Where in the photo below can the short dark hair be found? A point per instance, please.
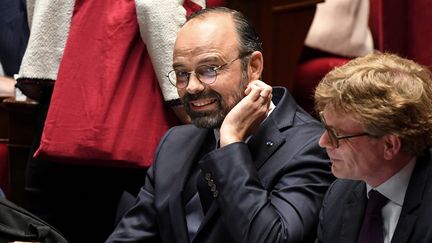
(248, 37)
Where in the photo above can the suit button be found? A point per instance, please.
(269, 143)
(213, 188)
(210, 182)
(215, 193)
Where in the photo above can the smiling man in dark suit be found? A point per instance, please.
(377, 111)
(249, 169)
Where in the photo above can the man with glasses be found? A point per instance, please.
(249, 169)
(377, 112)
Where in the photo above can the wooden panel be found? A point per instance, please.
(4, 157)
(282, 26)
(4, 122)
(22, 118)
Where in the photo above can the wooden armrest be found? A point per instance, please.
(13, 105)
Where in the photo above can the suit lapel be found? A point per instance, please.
(412, 201)
(265, 142)
(352, 215)
(187, 158)
(211, 213)
(269, 137)
(177, 216)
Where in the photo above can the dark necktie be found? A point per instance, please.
(372, 227)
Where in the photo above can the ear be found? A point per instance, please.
(256, 65)
(392, 146)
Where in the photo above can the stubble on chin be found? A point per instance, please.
(210, 119)
(204, 119)
(214, 119)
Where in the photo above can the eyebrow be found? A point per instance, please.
(207, 59)
(341, 132)
(336, 131)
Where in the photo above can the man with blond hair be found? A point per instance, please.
(377, 111)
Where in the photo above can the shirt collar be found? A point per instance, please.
(395, 187)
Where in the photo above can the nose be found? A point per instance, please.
(194, 86)
(324, 141)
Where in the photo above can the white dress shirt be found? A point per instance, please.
(394, 189)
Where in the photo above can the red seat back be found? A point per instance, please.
(398, 26)
(4, 168)
(403, 27)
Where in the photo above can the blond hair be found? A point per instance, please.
(386, 93)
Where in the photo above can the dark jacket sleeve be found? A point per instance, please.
(284, 209)
(323, 216)
(14, 35)
(139, 223)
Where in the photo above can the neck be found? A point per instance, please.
(388, 169)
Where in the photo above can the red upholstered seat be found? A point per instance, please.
(213, 3)
(307, 76)
(403, 27)
(4, 168)
(397, 26)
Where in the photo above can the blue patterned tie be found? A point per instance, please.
(372, 227)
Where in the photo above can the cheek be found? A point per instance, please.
(350, 158)
(360, 162)
(230, 96)
(234, 98)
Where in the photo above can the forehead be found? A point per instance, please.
(340, 120)
(213, 33)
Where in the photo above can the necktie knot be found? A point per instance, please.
(376, 202)
(372, 227)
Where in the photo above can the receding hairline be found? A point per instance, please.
(209, 15)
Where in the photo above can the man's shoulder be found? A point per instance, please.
(184, 131)
(289, 113)
(187, 128)
(182, 135)
(342, 188)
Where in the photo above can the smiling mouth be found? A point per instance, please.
(202, 103)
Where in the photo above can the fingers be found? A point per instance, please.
(248, 114)
(258, 91)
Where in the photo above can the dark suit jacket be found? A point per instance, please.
(343, 208)
(269, 190)
(14, 35)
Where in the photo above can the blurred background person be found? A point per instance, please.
(13, 42)
(339, 31)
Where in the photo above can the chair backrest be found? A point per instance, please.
(19, 225)
(4, 151)
(403, 27)
(398, 26)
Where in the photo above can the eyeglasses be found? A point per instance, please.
(334, 139)
(204, 73)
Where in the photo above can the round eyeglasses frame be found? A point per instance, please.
(333, 137)
(204, 73)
